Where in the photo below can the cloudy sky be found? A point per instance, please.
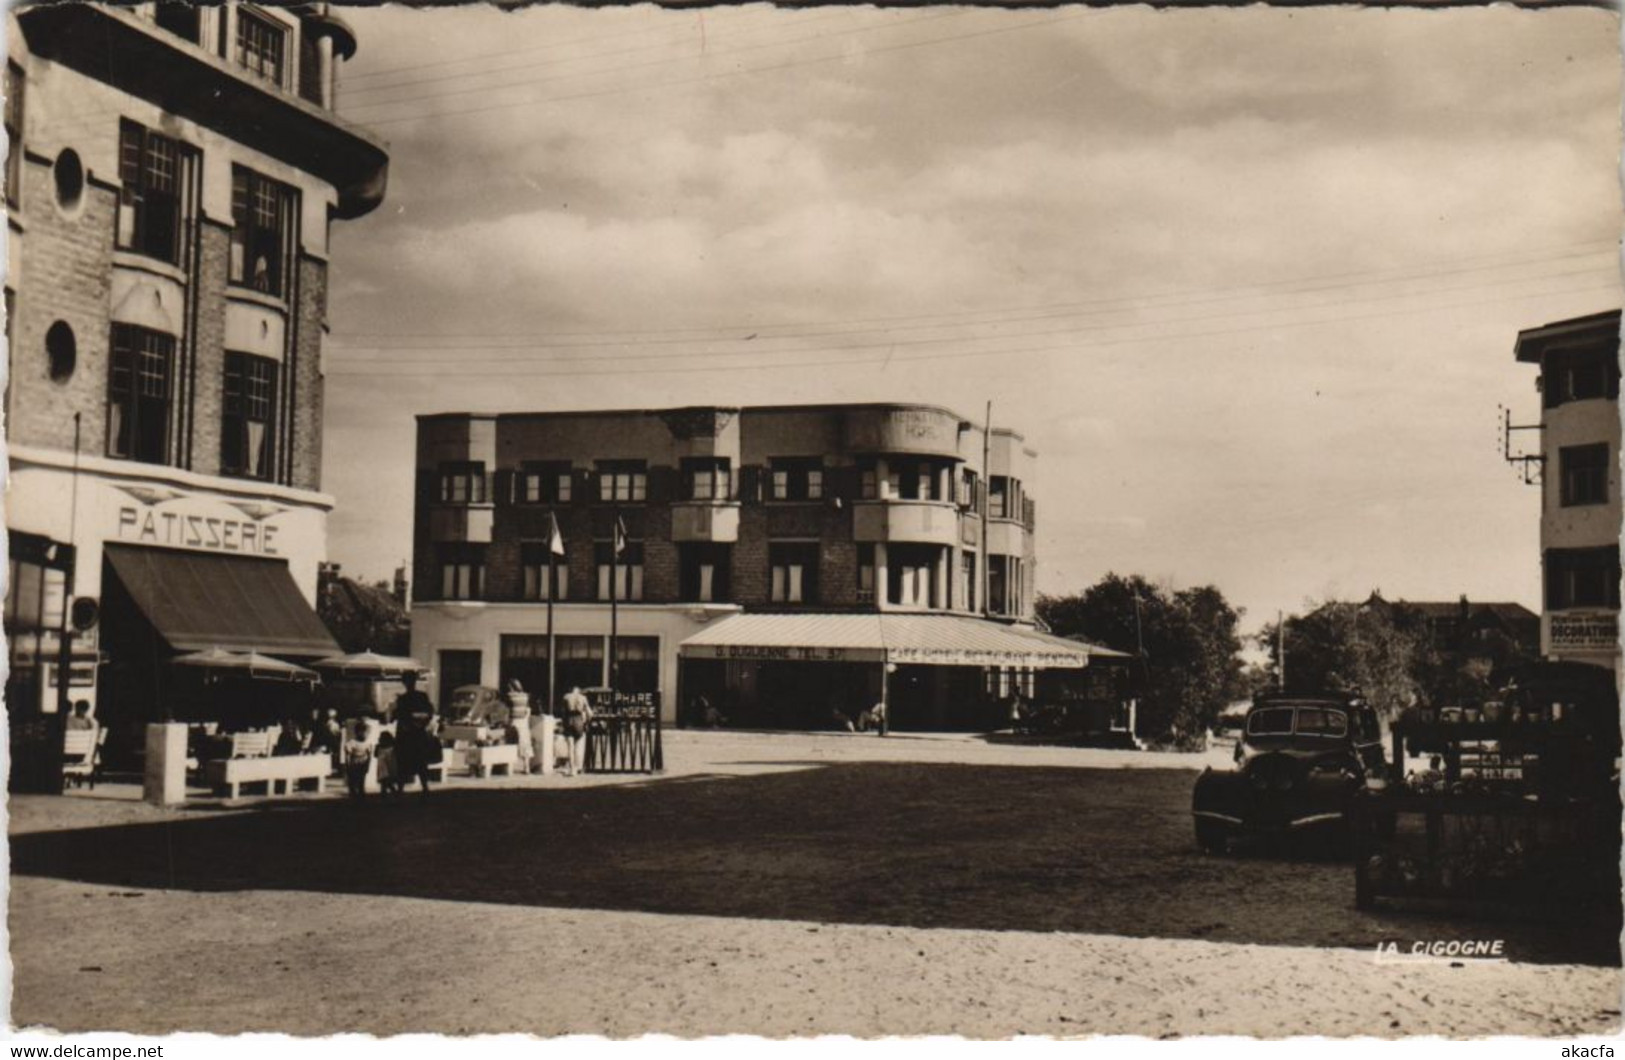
(1248, 279)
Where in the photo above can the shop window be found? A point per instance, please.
(702, 574)
(1584, 473)
(796, 478)
(139, 394)
(623, 481)
(14, 134)
(545, 483)
(462, 572)
(261, 46)
(457, 668)
(581, 662)
(624, 572)
(1582, 577)
(248, 431)
(152, 177)
(546, 574)
(523, 658)
(262, 216)
(462, 482)
(637, 664)
(794, 572)
(707, 478)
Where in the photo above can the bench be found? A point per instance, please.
(484, 761)
(288, 770)
(250, 744)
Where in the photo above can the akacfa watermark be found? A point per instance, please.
(1427, 950)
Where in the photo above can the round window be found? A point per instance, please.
(69, 174)
(61, 351)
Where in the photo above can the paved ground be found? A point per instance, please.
(768, 884)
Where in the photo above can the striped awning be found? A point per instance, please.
(908, 639)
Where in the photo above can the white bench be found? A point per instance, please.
(286, 770)
(81, 754)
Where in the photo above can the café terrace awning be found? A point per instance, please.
(202, 600)
(930, 640)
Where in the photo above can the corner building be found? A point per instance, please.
(172, 178)
(780, 561)
(1580, 487)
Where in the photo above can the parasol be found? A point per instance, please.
(366, 664)
(245, 664)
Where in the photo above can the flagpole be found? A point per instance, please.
(552, 591)
(614, 603)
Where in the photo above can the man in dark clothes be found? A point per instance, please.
(415, 746)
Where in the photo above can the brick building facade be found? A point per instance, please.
(809, 510)
(174, 172)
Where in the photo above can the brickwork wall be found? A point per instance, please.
(63, 273)
(208, 398)
(308, 398)
(750, 577)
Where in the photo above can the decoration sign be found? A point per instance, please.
(783, 653)
(186, 530)
(1597, 631)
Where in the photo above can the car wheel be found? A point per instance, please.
(1211, 836)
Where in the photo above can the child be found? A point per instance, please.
(389, 780)
(357, 757)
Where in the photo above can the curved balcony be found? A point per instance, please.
(920, 522)
(1005, 537)
(705, 521)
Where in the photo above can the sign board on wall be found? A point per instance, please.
(1591, 631)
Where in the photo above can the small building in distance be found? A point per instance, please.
(1579, 486)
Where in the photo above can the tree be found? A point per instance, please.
(1187, 643)
(1378, 651)
(363, 617)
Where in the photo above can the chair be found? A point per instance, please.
(82, 755)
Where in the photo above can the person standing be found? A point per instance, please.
(577, 712)
(416, 748)
(358, 757)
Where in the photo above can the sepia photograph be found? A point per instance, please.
(812, 520)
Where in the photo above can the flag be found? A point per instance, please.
(555, 539)
(620, 536)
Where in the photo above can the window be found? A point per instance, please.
(707, 478)
(637, 664)
(181, 19)
(457, 668)
(151, 181)
(247, 445)
(1582, 577)
(462, 483)
(868, 480)
(967, 581)
(914, 480)
(702, 574)
(796, 478)
(138, 394)
(261, 44)
(581, 662)
(546, 576)
(866, 574)
(967, 490)
(14, 134)
(794, 572)
(626, 571)
(910, 571)
(1004, 585)
(462, 572)
(622, 480)
(1275, 721)
(1584, 471)
(310, 69)
(998, 497)
(262, 215)
(1314, 721)
(1579, 374)
(545, 483)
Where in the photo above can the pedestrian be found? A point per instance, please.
(577, 712)
(389, 776)
(357, 752)
(80, 718)
(416, 747)
(878, 716)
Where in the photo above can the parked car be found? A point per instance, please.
(476, 705)
(1299, 760)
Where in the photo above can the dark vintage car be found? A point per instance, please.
(1300, 758)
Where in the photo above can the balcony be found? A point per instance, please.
(461, 523)
(705, 521)
(1006, 538)
(903, 521)
(135, 55)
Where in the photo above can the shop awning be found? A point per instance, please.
(931, 640)
(202, 600)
